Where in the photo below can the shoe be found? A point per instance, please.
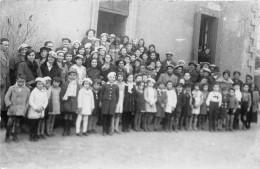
(15, 139)
(35, 139)
(116, 131)
(94, 131)
(42, 136)
(104, 134)
(51, 135)
(110, 133)
(85, 134)
(31, 139)
(8, 140)
(47, 134)
(64, 133)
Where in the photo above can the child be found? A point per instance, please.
(54, 105)
(238, 96)
(93, 119)
(186, 111)
(170, 105)
(38, 101)
(223, 110)
(139, 104)
(232, 107)
(197, 101)
(86, 106)
(17, 101)
(150, 97)
(160, 105)
(213, 101)
(68, 59)
(128, 65)
(43, 119)
(203, 107)
(81, 70)
(255, 102)
(179, 106)
(145, 79)
(93, 72)
(119, 108)
(109, 96)
(68, 95)
(246, 102)
(128, 111)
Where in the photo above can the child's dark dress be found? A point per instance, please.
(186, 111)
(139, 102)
(223, 110)
(161, 99)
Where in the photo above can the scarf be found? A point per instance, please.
(71, 90)
(130, 87)
(33, 66)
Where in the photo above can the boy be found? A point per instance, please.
(17, 101)
(109, 96)
(81, 70)
(213, 102)
(179, 106)
(238, 96)
(232, 107)
(223, 110)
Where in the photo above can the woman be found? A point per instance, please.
(90, 37)
(141, 43)
(93, 72)
(63, 67)
(125, 41)
(122, 53)
(158, 69)
(103, 41)
(50, 67)
(30, 69)
(101, 54)
(151, 49)
(42, 55)
(107, 67)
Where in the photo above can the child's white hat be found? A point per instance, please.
(76, 41)
(87, 80)
(111, 74)
(88, 45)
(46, 78)
(40, 79)
(53, 54)
(150, 79)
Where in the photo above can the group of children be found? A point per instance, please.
(138, 98)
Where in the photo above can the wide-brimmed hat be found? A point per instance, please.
(151, 80)
(104, 34)
(87, 80)
(169, 53)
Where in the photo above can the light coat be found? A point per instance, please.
(86, 101)
(4, 77)
(38, 98)
(150, 96)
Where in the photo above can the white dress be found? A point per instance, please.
(86, 101)
(197, 95)
(120, 104)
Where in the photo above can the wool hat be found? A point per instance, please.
(206, 70)
(22, 46)
(104, 34)
(151, 80)
(66, 39)
(39, 79)
(111, 74)
(205, 63)
(76, 41)
(59, 51)
(78, 56)
(88, 45)
(112, 36)
(181, 62)
(72, 70)
(170, 65)
(53, 54)
(87, 80)
(169, 53)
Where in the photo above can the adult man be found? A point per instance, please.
(168, 61)
(4, 78)
(193, 73)
(48, 44)
(16, 60)
(168, 76)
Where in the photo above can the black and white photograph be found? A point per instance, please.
(129, 84)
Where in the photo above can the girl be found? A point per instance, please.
(136, 67)
(128, 110)
(238, 96)
(119, 108)
(225, 81)
(90, 37)
(152, 50)
(232, 106)
(141, 43)
(160, 105)
(223, 110)
(68, 59)
(17, 101)
(203, 107)
(68, 94)
(101, 54)
(81, 70)
(128, 66)
(255, 102)
(50, 67)
(75, 47)
(54, 105)
(93, 72)
(81, 51)
(197, 101)
(86, 106)
(96, 44)
(30, 69)
(63, 67)
(170, 105)
(120, 67)
(38, 101)
(246, 102)
(104, 42)
(139, 104)
(151, 57)
(150, 97)
(186, 112)
(144, 58)
(122, 53)
(158, 69)
(109, 96)
(43, 54)
(125, 40)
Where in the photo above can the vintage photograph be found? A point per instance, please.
(129, 84)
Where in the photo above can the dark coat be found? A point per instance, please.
(109, 96)
(4, 77)
(161, 100)
(139, 102)
(13, 66)
(96, 110)
(55, 71)
(164, 64)
(180, 101)
(129, 100)
(93, 73)
(104, 73)
(71, 104)
(24, 69)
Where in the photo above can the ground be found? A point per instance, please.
(136, 150)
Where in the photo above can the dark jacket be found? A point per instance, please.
(109, 96)
(55, 71)
(13, 66)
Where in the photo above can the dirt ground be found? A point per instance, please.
(136, 150)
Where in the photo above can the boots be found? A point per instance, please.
(65, 128)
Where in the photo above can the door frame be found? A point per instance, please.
(196, 33)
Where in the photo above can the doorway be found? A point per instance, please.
(111, 23)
